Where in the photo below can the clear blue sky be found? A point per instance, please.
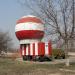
(10, 11)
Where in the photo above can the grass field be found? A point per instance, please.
(13, 67)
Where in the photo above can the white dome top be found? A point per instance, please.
(28, 16)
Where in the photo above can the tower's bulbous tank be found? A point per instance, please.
(29, 27)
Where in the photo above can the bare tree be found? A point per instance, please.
(58, 17)
(5, 42)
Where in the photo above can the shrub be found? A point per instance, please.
(58, 54)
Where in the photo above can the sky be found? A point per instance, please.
(10, 12)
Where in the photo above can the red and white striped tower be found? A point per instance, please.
(29, 29)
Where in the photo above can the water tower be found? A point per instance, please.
(30, 30)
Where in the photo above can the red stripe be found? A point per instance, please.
(33, 49)
(29, 19)
(28, 49)
(29, 34)
(24, 49)
(41, 48)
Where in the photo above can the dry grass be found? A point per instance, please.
(10, 67)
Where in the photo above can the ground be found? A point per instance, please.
(14, 67)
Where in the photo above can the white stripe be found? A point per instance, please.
(22, 50)
(26, 41)
(27, 50)
(36, 48)
(28, 16)
(31, 49)
(46, 48)
(29, 26)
